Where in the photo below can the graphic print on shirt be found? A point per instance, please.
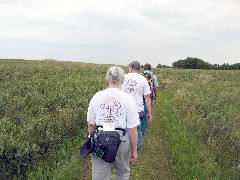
(110, 111)
(131, 86)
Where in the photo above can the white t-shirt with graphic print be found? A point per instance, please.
(113, 106)
(136, 85)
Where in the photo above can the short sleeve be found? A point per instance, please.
(91, 115)
(146, 88)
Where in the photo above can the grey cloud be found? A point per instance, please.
(107, 31)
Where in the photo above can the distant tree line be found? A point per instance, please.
(10, 59)
(192, 63)
(196, 63)
(162, 66)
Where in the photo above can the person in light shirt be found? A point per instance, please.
(137, 85)
(114, 106)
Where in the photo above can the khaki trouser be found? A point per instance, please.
(101, 170)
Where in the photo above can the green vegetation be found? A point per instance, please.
(43, 104)
(162, 66)
(196, 63)
(206, 117)
(43, 107)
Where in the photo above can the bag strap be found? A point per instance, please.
(124, 130)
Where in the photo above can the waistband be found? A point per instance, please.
(121, 131)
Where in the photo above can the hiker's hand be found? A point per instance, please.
(150, 117)
(134, 157)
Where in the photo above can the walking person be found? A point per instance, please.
(113, 108)
(152, 81)
(153, 84)
(136, 85)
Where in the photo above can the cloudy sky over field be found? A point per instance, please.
(119, 31)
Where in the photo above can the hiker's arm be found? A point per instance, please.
(133, 136)
(148, 104)
(90, 128)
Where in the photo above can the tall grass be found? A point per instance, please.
(207, 105)
(43, 105)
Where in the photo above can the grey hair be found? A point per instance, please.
(115, 75)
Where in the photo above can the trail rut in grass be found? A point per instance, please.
(154, 161)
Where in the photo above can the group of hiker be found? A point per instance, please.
(118, 119)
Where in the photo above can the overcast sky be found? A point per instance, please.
(120, 31)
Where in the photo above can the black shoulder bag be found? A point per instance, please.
(107, 144)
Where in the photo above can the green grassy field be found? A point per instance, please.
(194, 134)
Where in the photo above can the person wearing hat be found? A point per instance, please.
(114, 107)
(137, 85)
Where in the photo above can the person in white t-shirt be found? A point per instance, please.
(137, 85)
(119, 108)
